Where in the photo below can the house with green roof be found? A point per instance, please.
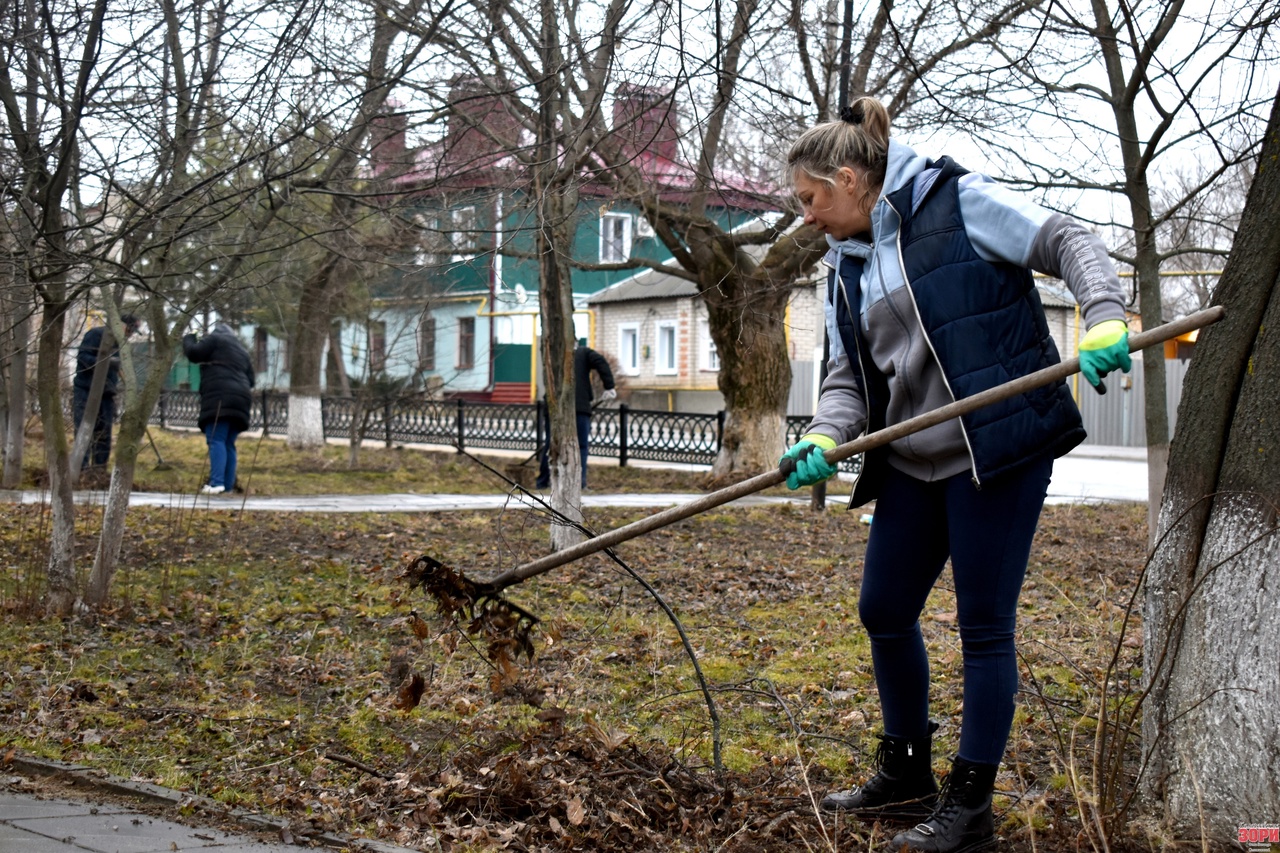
(456, 311)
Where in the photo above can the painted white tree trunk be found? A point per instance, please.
(306, 424)
(1213, 647)
(566, 493)
(753, 443)
(1211, 721)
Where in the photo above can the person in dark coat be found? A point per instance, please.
(226, 384)
(91, 352)
(585, 360)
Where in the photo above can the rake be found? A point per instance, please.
(507, 626)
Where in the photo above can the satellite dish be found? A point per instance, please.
(511, 296)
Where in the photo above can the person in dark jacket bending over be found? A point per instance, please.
(87, 357)
(930, 299)
(585, 360)
(226, 383)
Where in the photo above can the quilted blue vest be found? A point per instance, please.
(986, 325)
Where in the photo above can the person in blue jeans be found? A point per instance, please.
(929, 300)
(585, 360)
(226, 386)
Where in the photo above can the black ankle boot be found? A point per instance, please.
(903, 787)
(962, 822)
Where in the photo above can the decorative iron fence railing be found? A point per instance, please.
(623, 433)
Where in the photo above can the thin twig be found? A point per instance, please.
(358, 765)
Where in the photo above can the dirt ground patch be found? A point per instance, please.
(281, 662)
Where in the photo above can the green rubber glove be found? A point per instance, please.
(1105, 348)
(804, 462)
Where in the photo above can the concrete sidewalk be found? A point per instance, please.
(29, 824)
(1089, 473)
(80, 818)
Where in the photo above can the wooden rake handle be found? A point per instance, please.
(773, 477)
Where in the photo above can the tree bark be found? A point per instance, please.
(557, 200)
(139, 403)
(1211, 726)
(335, 369)
(1146, 252)
(306, 352)
(17, 339)
(745, 316)
(60, 572)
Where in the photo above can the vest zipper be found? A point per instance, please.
(862, 371)
(897, 243)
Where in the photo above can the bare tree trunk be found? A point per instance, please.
(60, 570)
(306, 351)
(556, 200)
(322, 288)
(133, 425)
(17, 339)
(335, 371)
(745, 316)
(558, 342)
(1146, 252)
(1155, 391)
(6, 372)
(1211, 639)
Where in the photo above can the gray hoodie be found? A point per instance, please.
(1003, 226)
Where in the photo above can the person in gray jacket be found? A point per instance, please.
(929, 300)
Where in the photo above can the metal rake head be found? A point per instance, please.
(506, 627)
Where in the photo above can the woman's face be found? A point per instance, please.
(833, 208)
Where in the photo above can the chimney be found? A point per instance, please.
(387, 136)
(480, 122)
(644, 118)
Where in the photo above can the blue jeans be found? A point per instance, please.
(584, 447)
(987, 534)
(221, 438)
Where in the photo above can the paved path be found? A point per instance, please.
(79, 819)
(1090, 473)
(31, 824)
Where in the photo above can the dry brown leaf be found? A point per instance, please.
(421, 629)
(410, 693)
(575, 811)
(610, 739)
(550, 715)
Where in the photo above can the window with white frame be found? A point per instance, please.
(615, 238)
(464, 233)
(629, 348)
(427, 343)
(466, 343)
(709, 358)
(432, 244)
(666, 355)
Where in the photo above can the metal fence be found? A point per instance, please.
(1119, 417)
(623, 433)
